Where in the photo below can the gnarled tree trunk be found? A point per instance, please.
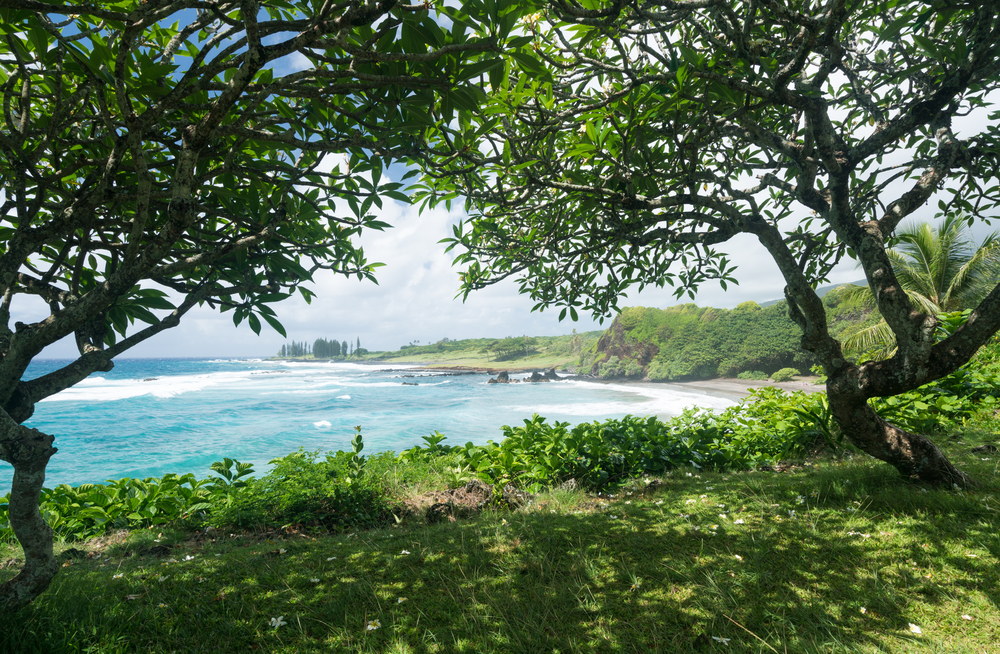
(913, 455)
(28, 450)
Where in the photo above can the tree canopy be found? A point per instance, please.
(650, 133)
(156, 156)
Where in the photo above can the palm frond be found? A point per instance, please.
(860, 294)
(876, 342)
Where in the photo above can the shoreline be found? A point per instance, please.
(724, 387)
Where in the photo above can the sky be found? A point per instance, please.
(415, 300)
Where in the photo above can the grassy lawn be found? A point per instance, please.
(836, 556)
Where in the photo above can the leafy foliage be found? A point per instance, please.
(302, 489)
(694, 342)
(784, 375)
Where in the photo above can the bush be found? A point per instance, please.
(768, 425)
(611, 368)
(759, 375)
(658, 371)
(304, 490)
(785, 375)
(633, 369)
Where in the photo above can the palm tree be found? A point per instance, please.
(942, 272)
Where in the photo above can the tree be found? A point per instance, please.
(942, 271)
(222, 152)
(648, 134)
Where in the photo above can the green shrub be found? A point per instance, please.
(79, 512)
(759, 375)
(785, 375)
(611, 368)
(633, 369)
(766, 426)
(302, 489)
(658, 371)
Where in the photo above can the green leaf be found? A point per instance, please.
(273, 322)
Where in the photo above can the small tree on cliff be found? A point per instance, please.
(651, 133)
(224, 151)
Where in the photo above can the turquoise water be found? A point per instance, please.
(148, 417)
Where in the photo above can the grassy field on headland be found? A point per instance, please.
(839, 555)
(483, 353)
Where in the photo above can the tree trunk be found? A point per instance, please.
(914, 455)
(29, 458)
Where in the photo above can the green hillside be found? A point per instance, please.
(692, 342)
(509, 353)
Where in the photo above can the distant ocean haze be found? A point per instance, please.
(149, 417)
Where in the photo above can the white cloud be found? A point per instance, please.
(415, 300)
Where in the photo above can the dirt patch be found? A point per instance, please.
(462, 502)
(465, 501)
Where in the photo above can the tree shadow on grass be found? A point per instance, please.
(625, 578)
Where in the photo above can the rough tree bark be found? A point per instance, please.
(29, 453)
(913, 455)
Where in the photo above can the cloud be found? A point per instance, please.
(415, 300)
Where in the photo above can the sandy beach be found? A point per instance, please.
(738, 388)
(725, 387)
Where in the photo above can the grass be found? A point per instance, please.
(836, 556)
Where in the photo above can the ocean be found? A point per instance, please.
(149, 417)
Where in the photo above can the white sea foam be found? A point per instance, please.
(649, 401)
(322, 424)
(363, 384)
(343, 365)
(99, 389)
(344, 397)
(312, 391)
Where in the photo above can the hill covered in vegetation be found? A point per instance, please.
(691, 342)
(512, 352)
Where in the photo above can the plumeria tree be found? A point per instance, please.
(160, 155)
(651, 132)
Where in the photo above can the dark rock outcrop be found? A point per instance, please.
(616, 343)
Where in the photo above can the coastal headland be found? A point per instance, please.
(728, 387)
